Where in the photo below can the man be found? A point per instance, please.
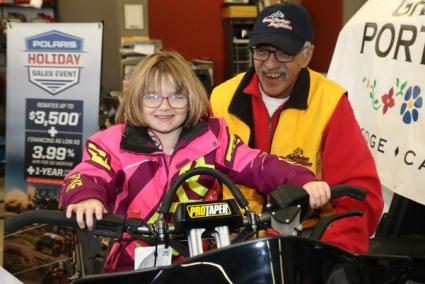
(284, 108)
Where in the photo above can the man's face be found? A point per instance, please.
(278, 73)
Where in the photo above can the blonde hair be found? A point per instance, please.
(149, 73)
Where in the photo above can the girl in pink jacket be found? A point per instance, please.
(163, 130)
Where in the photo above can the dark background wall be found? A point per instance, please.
(192, 27)
(327, 17)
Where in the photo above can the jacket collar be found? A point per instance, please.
(241, 106)
(136, 138)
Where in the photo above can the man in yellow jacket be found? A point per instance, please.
(282, 107)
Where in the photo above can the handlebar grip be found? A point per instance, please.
(49, 217)
(109, 226)
(348, 190)
(290, 195)
(165, 206)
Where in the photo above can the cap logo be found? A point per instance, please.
(277, 20)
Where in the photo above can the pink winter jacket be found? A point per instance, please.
(124, 169)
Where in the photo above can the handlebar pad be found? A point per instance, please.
(49, 217)
(165, 206)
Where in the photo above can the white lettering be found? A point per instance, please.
(54, 44)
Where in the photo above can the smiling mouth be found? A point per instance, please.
(274, 75)
(163, 116)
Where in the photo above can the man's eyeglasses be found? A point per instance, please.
(263, 54)
(155, 100)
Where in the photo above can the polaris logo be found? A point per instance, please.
(54, 60)
(54, 41)
(54, 44)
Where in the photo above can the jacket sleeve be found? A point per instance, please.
(94, 177)
(254, 168)
(347, 160)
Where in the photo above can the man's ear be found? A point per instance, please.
(307, 54)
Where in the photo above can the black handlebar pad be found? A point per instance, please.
(240, 198)
(49, 217)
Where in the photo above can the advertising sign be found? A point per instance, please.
(380, 59)
(53, 88)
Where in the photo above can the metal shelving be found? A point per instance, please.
(237, 54)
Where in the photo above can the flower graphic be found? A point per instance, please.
(371, 86)
(412, 102)
(388, 100)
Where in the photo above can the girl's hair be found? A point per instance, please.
(149, 73)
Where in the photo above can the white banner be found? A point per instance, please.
(380, 59)
(53, 89)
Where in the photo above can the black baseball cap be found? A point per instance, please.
(286, 26)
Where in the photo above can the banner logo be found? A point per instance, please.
(406, 100)
(54, 60)
(208, 210)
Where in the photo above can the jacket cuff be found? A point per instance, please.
(80, 196)
(302, 178)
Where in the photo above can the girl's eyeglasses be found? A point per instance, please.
(155, 100)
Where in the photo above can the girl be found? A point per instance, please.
(163, 130)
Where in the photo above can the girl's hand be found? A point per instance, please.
(319, 193)
(84, 210)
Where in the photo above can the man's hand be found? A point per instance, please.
(84, 210)
(319, 193)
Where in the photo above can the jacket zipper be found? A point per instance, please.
(270, 127)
